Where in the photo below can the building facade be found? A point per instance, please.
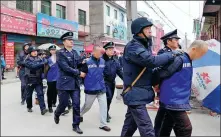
(108, 22)
(211, 28)
(42, 22)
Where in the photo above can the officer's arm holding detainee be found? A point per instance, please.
(119, 70)
(62, 62)
(141, 56)
(168, 71)
(20, 60)
(35, 64)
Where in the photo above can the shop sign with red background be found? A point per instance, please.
(9, 55)
(16, 21)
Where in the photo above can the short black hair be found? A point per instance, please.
(165, 41)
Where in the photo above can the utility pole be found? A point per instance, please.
(131, 7)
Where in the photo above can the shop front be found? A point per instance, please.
(50, 29)
(17, 27)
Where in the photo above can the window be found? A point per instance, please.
(46, 7)
(108, 11)
(60, 11)
(115, 14)
(122, 17)
(108, 30)
(24, 5)
(81, 17)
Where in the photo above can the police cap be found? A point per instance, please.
(139, 24)
(109, 45)
(52, 47)
(31, 49)
(67, 35)
(170, 35)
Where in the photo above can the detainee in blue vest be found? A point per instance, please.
(175, 91)
(94, 87)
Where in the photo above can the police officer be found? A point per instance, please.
(111, 69)
(137, 56)
(170, 41)
(33, 76)
(21, 65)
(68, 80)
(175, 90)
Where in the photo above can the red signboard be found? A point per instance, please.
(9, 55)
(17, 22)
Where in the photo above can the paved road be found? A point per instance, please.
(16, 121)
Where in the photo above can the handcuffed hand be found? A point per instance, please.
(82, 74)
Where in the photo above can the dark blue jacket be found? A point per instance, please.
(121, 61)
(33, 70)
(137, 55)
(20, 61)
(52, 74)
(175, 89)
(94, 80)
(112, 69)
(68, 78)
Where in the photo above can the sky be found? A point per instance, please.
(180, 13)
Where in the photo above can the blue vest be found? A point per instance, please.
(53, 71)
(176, 90)
(94, 80)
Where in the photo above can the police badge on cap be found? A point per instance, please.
(67, 35)
(52, 47)
(109, 45)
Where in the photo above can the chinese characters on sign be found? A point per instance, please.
(9, 54)
(48, 26)
(17, 22)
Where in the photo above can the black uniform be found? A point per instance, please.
(33, 76)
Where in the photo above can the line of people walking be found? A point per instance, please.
(169, 72)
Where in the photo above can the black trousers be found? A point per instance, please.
(110, 87)
(51, 93)
(166, 120)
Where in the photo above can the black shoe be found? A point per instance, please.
(108, 120)
(44, 111)
(65, 112)
(22, 102)
(105, 128)
(56, 119)
(30, 110)
(50, 110)
(3, 78)
(69, 107)
(81, 119)
(53, 105)
(77, 130)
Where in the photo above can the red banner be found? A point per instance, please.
(17, 22)
(9, 55)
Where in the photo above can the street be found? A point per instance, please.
(16, 121)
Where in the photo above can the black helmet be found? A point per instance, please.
(32, 48)
(138, 25)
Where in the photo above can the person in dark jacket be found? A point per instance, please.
(137, 56)
(121, 59)
(170, 41)
(68, 80)
(20, 62)
(111, 70)
(175, 91)
(95, 87)
(33, 76)
(52, 76)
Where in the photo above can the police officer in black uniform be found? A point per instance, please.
(111, 70)
(170, 41)
(33, 76)
(68, 81)
(21, 65)
(137, 56)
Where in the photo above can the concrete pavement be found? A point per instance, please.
(16, 121)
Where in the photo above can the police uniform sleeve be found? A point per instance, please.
(166, 72)
(19, 60)
(119, 70)
(142, 57)
(62, 63)
(33, 64)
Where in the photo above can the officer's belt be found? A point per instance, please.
(134, 82)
